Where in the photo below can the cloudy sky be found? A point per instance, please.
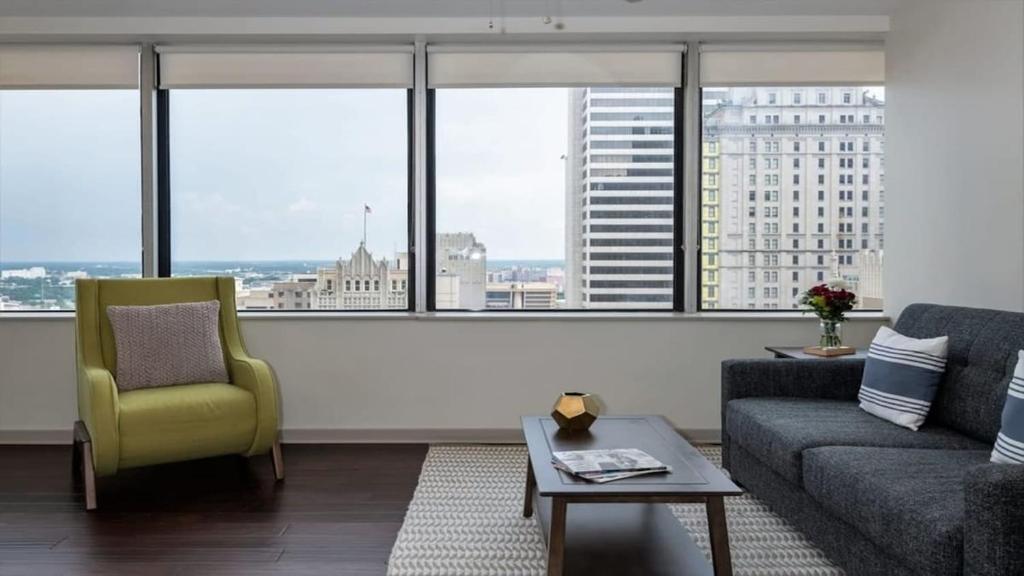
(278, 174)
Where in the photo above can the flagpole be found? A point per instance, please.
(364, 224)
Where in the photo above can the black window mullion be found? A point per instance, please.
(163, 194)
(431, 205)
(410, 293)
(679, 228)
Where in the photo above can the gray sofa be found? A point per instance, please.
(878, 498)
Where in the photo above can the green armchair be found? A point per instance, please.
(118, 430)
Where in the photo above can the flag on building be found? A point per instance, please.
(367, 209)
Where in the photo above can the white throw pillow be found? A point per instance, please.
(902, 376)
(1009, 448)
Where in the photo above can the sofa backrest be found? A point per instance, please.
(983, 347)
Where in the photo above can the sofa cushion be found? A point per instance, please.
(778, 430)
(908, 502)
(185, 422)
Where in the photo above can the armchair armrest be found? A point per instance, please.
(256, 377)
(824, 379)
(98, 408)
(994, 520)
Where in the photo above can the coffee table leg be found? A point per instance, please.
(556, 537)
(531, 483)
(719, 532)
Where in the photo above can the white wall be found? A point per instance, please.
(955, 157)
(458, 379)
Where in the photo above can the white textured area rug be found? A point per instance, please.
(465, 519)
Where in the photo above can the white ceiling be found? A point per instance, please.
(437, 8)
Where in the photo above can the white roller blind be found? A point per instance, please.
(750, 66)
(463, 68)
(38, 67)
(301, 67)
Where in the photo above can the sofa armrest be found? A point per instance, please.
(98, 409)
(994, 520)
(256, 377)
(825, 379)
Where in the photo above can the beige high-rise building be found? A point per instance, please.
(798, 182)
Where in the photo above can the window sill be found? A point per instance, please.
(743, 316)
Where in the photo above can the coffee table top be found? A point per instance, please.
(692, 474)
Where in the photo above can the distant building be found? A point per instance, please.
(446, 292)
(33, 273)
(298, 293)
(522, 296)
(7, 304)
(255, 299)
(459, 255)
(362, 283)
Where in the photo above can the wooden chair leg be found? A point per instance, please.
(84, 448)
(277, 460)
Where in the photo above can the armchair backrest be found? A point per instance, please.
(92, 296)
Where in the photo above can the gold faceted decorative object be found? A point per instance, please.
(575, 411)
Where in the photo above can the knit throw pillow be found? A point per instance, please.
(902, 376)
(167, 344)
(1009, 447)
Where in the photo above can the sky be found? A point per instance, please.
(278, 174)
(69, 176)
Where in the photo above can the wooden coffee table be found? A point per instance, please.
(624, 527)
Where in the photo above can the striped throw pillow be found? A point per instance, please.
(901, 377)
(1009, 447)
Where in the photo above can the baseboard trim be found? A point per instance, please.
(364, 436)
(36, 436)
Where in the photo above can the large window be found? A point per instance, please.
(289, 170)
(795, 204)
(563, 200)
(301, 194)
(69, 193)
(555, 196)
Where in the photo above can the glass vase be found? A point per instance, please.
(831, 334)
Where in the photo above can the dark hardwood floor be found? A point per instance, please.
(337, 512)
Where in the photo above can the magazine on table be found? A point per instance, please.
(607, 465)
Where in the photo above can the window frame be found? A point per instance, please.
(679, 195)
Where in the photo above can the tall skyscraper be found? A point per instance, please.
(794, 194)
(619, 198)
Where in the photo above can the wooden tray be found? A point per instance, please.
(829, 352)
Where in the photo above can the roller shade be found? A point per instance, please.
(68, 67)
(749, 66)
(301, 67)
(457, 68)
